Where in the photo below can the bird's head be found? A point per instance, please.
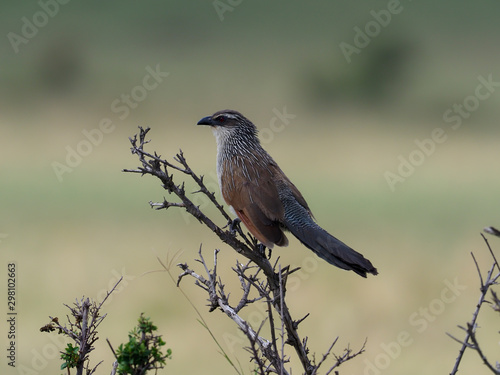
(229, 124)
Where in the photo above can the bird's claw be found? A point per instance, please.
(234, 226)
(262, 251)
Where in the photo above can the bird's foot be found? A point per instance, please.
(234, 226)
(262, 251)
(261, 248)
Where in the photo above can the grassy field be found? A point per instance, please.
(72, 238)
(72, 233)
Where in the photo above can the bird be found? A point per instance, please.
(265, 200)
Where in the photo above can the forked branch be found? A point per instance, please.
(470, 341)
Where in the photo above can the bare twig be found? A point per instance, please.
(491, 251)
(167, 267)
(346, 356)
(114, 368)
(471, 330)
(325, 356)
(218, 300)
(486, 284)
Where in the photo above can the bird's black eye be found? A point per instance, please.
(221, 119)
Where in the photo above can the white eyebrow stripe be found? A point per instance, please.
(228, 115)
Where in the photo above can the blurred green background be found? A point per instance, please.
(352, 119)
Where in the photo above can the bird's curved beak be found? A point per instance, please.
(206, 121)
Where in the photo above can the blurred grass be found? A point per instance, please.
(77, 232)
(72, 238)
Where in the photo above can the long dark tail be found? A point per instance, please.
(300, 223)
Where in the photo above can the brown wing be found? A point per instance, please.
(253, 195)
(295, 192)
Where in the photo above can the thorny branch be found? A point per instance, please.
(470, 341)
(264, 352)
(83, 330)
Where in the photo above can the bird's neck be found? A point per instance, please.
(231, 145)
(238, 150)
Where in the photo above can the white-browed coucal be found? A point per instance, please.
(265, 199)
